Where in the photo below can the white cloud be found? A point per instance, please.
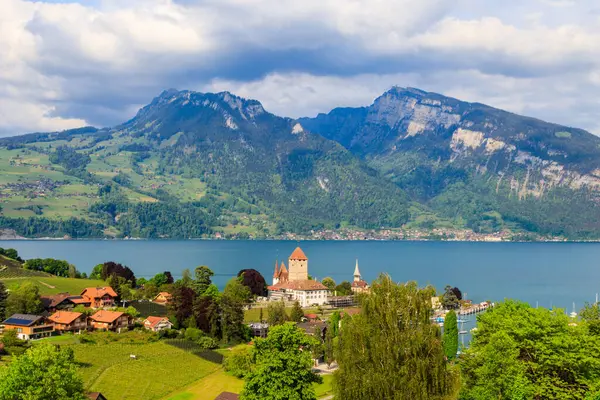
(64, 64)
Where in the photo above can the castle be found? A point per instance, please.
(293, 284)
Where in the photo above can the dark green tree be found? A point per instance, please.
(44, 372)
(334, 322)
(282, 366)
(296, 314)
(449, 300)
(450, 337)
(328, 346)
(393, 343)
(234, 298)
(276, 314)
(202, 279)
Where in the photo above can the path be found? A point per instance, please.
(45, 284)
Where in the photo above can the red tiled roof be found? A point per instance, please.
(298, 254)
(64, 317)
(80, 300)
(106, 316)
(360, 284)
(301, 285)
(98, 292)
(276, 273)
(155, 320)
(311, 316)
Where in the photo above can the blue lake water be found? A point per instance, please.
(549, 274)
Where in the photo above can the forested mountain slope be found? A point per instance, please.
(187, 165)
(480, 167)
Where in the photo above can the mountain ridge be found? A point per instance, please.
(192, 164)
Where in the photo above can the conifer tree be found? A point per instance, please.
(450, 335)
(297, 314)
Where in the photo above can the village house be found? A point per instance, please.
(80, 300)
(156, 324)
(57, 302)
(96, 396)
(29, 326)
(162, 298)
(110, 320)
(358, 285)
(100, 297)
(294, 285)
(67, 321)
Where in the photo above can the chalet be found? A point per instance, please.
(110, 320)
(57, 302)
(156, 324)
(80, 300)
(67, 321)
(29, 326)
(100, 297)
(162, 298)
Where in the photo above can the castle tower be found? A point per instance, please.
(298, 263)
(357, 277)
(276, 274)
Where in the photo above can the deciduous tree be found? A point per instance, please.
(393, 343)
(329, 283)
(254, 281)
(449, 300)
(282, 366)
(344, 289)
(24, 300)
(520, 352)
(235, 295)
(182, 303)
(450, 338)
(44, 372)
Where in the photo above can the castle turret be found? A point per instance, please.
(284, 275)
(298, 263)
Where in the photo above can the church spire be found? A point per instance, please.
(357, 276)
(276, 274)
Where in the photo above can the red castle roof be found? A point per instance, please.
(298, 254)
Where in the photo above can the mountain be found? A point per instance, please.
(474, 165)
(191, 164)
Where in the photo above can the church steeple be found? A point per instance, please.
(357, 277)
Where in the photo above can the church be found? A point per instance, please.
(292, 283)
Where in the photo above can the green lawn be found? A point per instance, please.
(54, 285)
(253, 314)
(160, 369)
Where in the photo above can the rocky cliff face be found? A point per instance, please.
(529, 155)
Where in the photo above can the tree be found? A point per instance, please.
(24, 300)
(3, 297)
(334, 323)
(254, 281)
(344, 289)
(169, 277)
(328, 346)
(159, 279)
(329, 282)
(393, 343)
(233, 300)
(520, 352)
(297, 314)
(202, 281)
(182, 303)
(276, 314)
(113, 269)
(591, 314)
(282, 366)
(51, 266)
(97, 272)
(44, 372)
(186, 278)
(204, 306)
(449, 300)
(450, 337)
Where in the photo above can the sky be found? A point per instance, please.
(65, 64)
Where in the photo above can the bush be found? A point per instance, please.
(168, 334)
(206, 342)
(193, 334)
(239, 364)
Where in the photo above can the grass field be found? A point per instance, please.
(253, 314)
(54, 285)
(160, 369)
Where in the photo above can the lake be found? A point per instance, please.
(549, 274)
